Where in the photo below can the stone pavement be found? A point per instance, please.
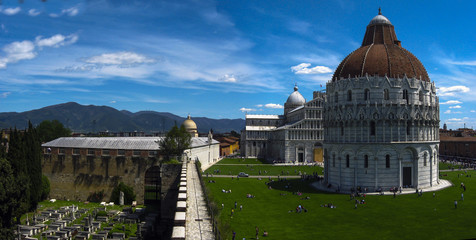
(443, 184)
(198, 225)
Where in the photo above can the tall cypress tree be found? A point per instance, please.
(16, 157)
(33, 159)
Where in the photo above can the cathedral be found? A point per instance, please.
(295, 136)
(381, 117)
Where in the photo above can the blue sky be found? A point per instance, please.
(217, 59)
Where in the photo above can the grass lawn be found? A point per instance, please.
(241, 161)
(255, 169)
(381, 217)
(445, 166)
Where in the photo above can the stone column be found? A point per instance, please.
(431, 170)
(376, 172)
(400, 173)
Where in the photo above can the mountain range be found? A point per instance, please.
(91, 118)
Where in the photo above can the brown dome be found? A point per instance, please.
(381, 54)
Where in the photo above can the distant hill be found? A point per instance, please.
(81, 118)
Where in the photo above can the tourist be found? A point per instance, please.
(462, 197)
(235, 204)
(265, 233)
(456, 204)
(257, 232)
(241, 207)
(232, 211)
(234, 235)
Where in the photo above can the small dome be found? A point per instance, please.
(189, 124)
(295, 99)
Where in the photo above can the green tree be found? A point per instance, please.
(33, 154)
(50, 130)
(10, 193)
(45, 187)
(129, 194)
(176, 141)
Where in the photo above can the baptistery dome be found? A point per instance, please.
(381, 54)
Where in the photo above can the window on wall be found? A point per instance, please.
(105, 152)
(349, 95)
(424, 160)
(121, 152)
(386, 95)
(366, 94)
(336, 97)
(405, 95)
(91, 152)
(372, 128)
(408, 128)
(61, 151)
(420, 96)
(136, 153)
(347, 161)
(387, 161)
(75, 151)
(366, 161)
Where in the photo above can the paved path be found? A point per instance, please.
(254, 176)
(198, 225)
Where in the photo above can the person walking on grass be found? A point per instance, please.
(257, 232)
(456, 204)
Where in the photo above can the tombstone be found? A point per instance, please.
(138, 233)
(121, 198)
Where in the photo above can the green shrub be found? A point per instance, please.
(45, 187)
(96, 196)
(129, 194)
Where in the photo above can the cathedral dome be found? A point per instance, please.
(295, 99)
(381, 54)
(189, 124)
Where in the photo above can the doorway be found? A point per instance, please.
(407, 176)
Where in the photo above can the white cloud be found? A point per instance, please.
(451, 102)
(259, 105)
(472, 111)
(119, 58)
(247, 109)
(33, 12)
(298, 26)
(17, 51)
(452, 91)
(112, 101)
(73, 11)
(5, 94)
(2, 26)
(303, 68)
(11, 11)
(453, 107)
(55, 41)
(273, 105)
(228, 78)
(24, 50)
(463, 63)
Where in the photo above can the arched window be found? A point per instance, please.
(387, 161)
(349, 95)
(347, 161)
(386, 95)
(405, 95)
(372, 128)
(420, 96)
(424, 159)
(366, 94)
(336, 97)
(366, 161)
(254, 144)
(408, 128)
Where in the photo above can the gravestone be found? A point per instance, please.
(121, 198)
